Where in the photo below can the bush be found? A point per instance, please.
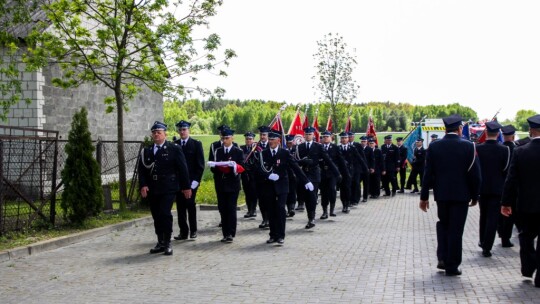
(83, 195)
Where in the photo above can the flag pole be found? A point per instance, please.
(416, 124)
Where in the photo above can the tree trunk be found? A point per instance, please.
(120, 144)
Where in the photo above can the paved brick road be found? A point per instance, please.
(382, 252)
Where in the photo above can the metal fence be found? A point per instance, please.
(31, 162)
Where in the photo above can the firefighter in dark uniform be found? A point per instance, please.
(308, 155)
(453, 171)
(227, 167)
(506, 224)
(328, 179)
(391, 165)
(418, 164)
(273, 169)
(162, 173)
(361, 169)
(291, 197)
(402, 164)
(378, 167)
(248, 177)
(186, 208)
(370, 161)
(521, 190)
(494, 160)
(261, 145)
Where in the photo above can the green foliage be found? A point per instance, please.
(82, 196)
(521, 119)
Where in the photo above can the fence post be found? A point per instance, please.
(99, 153)
(107, 197)
(1, 187)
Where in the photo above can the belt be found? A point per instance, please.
(161, 177)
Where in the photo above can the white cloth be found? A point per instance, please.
(194, 185)
(273, 177)
(309, 186)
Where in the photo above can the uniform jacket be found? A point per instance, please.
(521, 186)
(164, 172)
(494, 161)
(193, 151)
(337, 160)
(227, 182)
(309, 161)
(452, 170)
(279, 164)
(390, 157)
(370, 157)
(419, 160)
(402, 156)
(213, 147)
(354, 160)
(378, 163)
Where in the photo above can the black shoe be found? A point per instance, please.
(345, 210)
(180, 237)
(310, 224)
(300, 208)
(414, 191)
(247, 215)
(264, 225)
(193, 235)
(271, 240)
(450, 273)
(507, 244)
(158, 248)
(440, 265)
(364, 200)
(401, 191)
(291, 213)
(223, 240)
(386, 194)
(280, 241)
(372, 196)
(393, 193)
(332, 214)
(168, 249)
(229, 239)
(253, 214)
(324, 216)
(486, 253)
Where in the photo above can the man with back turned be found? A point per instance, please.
(452, 170)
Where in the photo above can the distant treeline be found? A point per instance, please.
(244, 116)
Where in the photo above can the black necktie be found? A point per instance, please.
(183, 143)
(326, 148)
(273, 153)
(308, 146)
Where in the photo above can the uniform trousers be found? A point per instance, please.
(262, 204)
(250, 190)
(364, 179)
(355, 187)
(412, 181)
(402, 172)
(276, 211)
(452, 216)
(310, 197)
(345, 191)
(187, 212)
(328, 192)
(387, 179)
(227, 202)
(291, 197)
(375, 184)
(490, 208)
(160, 207)
(530, 256)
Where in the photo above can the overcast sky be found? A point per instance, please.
(483, 54)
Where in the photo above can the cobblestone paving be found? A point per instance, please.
(382, 252)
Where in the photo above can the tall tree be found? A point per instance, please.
(333, 80)
(125, 45)
(521, 119)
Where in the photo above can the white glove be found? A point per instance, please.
(194, 185)
(309, 186)
(273, 177)
(211, 164)
(232, 163)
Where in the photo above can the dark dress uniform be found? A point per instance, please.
(360, 169)
(494, 160)
(521, 190)
(402, 167)
(274, 192)
(187, 211)
(259, 181)
(309, 162)
(453, 171)
(249, 184)
(375, 177)
(357, 167)
(365, 179)
(227, 185)
(164, 173)
(391, 163)
(329, 179)
(506, 224)
(418, 164)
